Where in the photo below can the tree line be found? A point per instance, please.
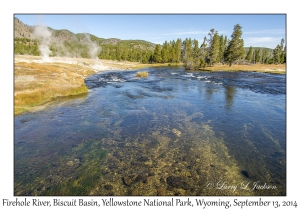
(214, 49)
(218, 49)
(24, 46)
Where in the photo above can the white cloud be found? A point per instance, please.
(273, 31)
(270, 42)
(193, 32)
(187, 32)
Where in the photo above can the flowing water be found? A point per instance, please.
(172, 133)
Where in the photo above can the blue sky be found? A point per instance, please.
(258, 30)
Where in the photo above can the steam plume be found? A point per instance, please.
(94, 50)
(46, 39)
(44, 34)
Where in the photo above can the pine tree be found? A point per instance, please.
(172, 54)
(249, 56)
(211, 37)
(165, 52)
(277, 54)
(226, 41)
(118, 51)
(124, 55)
(221, 49)
(203, 53)
(214, 49)
(283, 52)
(196, 50)
(264, 56)
(210, 44)
(283, 55)
(157, 54)
(235, 49)
(188, 54)
(178, 50)
(257, 56)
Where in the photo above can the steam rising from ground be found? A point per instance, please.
(42, 32)
(94, 50)
(47, 39)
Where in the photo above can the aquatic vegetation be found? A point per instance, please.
(91, 156)
(76, 172)
(142, 74)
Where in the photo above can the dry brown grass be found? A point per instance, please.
(126, 65)
(38, 83)
(110, 64)
(268, 68)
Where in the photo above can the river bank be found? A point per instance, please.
(38, 82)
(264, 68)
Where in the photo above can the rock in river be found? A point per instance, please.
(131, 179)
(178, 182)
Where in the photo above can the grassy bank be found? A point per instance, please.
(267, 68)
(36, 84)
(126, 65)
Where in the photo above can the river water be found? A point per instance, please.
(175, 132)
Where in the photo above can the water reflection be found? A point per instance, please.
(209, 94)
(229, 93)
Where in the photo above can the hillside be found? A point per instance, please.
(22, 30)
(269, 50)
(27, 40)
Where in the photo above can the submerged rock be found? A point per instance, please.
(246, 174)
(108, 187)
(151, 173)
(143, 159)
(131, 179)
(73, 163)
(177, 132)
(178, 182)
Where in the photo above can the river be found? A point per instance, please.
(175, 132)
